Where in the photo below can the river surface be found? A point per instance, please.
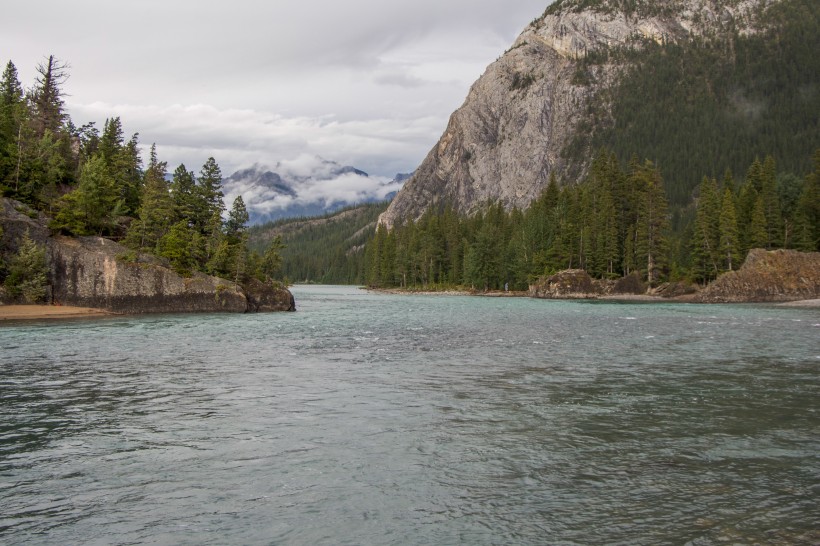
(379, 419)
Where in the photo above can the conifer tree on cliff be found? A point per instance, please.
(184, 194)
(156, 212)
(123, 162)
(47, 96)
(236, 231)
(93, 207)
(45, 160)
(210, 190)
(12, 111)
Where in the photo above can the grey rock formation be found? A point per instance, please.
(89, 272)
(507, 137)
(100, 273)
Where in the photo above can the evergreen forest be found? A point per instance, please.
(709, 103)
(93, 182)
(615, 223)
(326, 249)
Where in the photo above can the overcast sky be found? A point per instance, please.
(368, 83)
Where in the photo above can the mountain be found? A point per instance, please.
(328, 249)
(697, 86)
(307, 186)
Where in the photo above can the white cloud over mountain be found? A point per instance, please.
(303, 186)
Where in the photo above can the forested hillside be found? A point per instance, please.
(615, 223)
(719, 100)
(327, 249)
(93, 183)
(710, 103)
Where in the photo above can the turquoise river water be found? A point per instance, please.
(378, 419)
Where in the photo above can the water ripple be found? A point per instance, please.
(371, 419)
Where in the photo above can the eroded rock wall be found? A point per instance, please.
(87, 272)
(100, 273)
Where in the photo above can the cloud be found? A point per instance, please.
(303, 183)
(239, 138)
(364, 82)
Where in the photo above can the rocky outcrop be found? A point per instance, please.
(100, 273)
(567, 284)
(91, 272)
(507, 138)
(768, 276)
(15, 220)
(264, 298)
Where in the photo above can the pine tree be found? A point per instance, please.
(236, 232)
(771, 204)
(483, 258)
(236, 225)
(754, 175)
(758, 234)
(374, 251)
(210, 193)
(706, 234)
(47, 96)
(111, 142)
(156, 211)
(745, 207)
(653, 221)
(12, 111)
(729, 181)
(94, 206)
(729, 243)
(178, 245)
(28, 272)
(123, 163)
(607, 234)
(807, 214)
(187, 204)
(271, 261)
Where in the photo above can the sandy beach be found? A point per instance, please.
(45, 312)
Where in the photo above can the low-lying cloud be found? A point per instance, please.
(306, 184)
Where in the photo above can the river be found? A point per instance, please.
(382, 419)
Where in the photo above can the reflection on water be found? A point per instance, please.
(373, 419)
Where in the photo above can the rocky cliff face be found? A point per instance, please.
(92, 272)
(87, 272)
(508, 137)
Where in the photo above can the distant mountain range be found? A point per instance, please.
(306, 186)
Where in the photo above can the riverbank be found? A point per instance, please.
(48, 312)
(422, 292)
(626, 298)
